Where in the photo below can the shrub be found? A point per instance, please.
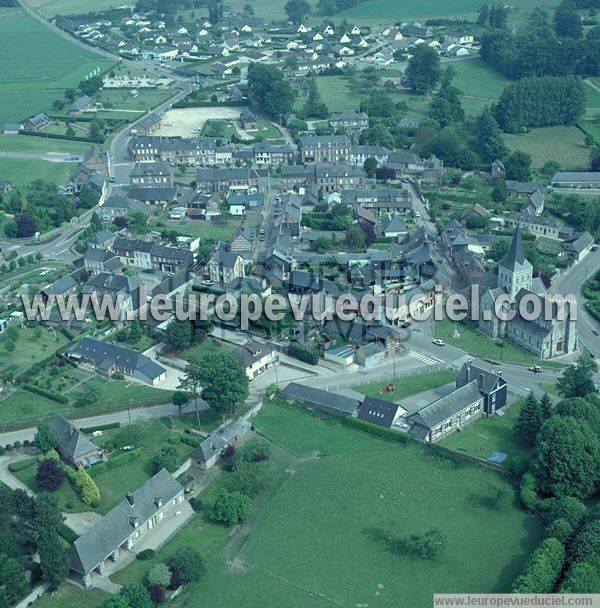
(49, 476)
(17, 445)
(189, 440)
(542, 570)
(2, 450)
(157, 593)
(21, 465)
(101, 427)
(186, 567)
(159, 575)
(32, 388)
(145, 555)
(196, 504)
(586, 542)
(375, 430)
(88, 490)
(167, 458)
(302, 353)
(231, 507)
(528, 493)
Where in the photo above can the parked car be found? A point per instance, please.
(439, 342)
(536, 369)
(406, 324)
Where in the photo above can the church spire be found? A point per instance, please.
(516, 253)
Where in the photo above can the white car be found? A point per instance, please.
(208, 282)
(439, 342)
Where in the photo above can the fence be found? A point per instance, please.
(454, 454)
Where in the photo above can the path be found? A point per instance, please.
(52, 157)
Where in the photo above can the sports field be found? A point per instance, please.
(330, 535)
(37, 66)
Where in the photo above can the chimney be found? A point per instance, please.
(480, 381)
(130, 500)
(468, 371)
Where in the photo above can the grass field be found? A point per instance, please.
(120, 99)
(196, 352)
(562, 144)
(37, 66)
(592, 95)
(50, 8)
(490, 434)
(24, 356)
(22, 171)
(205, 230)
(69, 596)
(407, 386)
(22, 143)
(329, 535)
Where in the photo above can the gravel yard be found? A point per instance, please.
(187, 122)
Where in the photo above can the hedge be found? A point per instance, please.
(528, 492)
(101, 427)
(69, 535)
(145, 554)
(376, 430)
(21, 465)
(191, 103)
(189, 440)
(114, 462)
(303, 354)
(91, 140)
(543, 569)
(44, 393)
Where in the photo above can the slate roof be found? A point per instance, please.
(576, 177)
(578, 242)
(101, 237)
(80, 104)
(224, 258)
(315, 396)
(378, 411)
(445, 407)
(515, 259)
(152, 194)
(70, 439)
(487, 380)
(251, 352)
(117, 525)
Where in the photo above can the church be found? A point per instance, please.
(544, 338)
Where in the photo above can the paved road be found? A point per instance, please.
(572, 283)
(124, 417)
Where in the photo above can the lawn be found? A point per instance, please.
(120, 99)
(50, 8)
(563, 144)
(219, 128)
(22, 406)
(37, 66)
(592, 95)
(490, 434)
(22, 171)
(203, 229)
(70, 596)
(328, 534)
(22, 143)
(196, 352)
(479, 345)
(407, 386)
(266, 130)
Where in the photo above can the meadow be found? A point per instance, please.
(24, 143)
(37, 66)
(330, 533)
(22, 171)
(50, 8)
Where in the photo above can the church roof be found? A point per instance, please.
(515, 258)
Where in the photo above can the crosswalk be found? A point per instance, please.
(427, 359)
(458, 363)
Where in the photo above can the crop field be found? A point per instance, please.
(37, 66)
(563, 144)
(50, 8)
(331, 533)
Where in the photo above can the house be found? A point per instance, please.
(452, 412)
(360, 153)
(325, 149)
(248, 120)
(242, 240)
(37, 123)
(379, 200)
(5, 186)
(395, 227)
(498, 171)
(523, 190)
(380, 412)
(229, 433)
(578, 245)
(225, 266)
(96, 158)
(132, 521)
(109, 358)
(266, 153)
(147, 125)
(73, 446)
(117, 205)
(576, 179)
(326, 401)
(96, 260)
(492, 386)
(80, 105)
(256, 358)
(153, 196)
(151, 175)
(540, 225)
(338, 177)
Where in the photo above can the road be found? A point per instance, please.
(572, 283)
(123, 417)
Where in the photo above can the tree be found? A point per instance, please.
(582, 577)
(178, 334)
(584, 409)
(50, 475)
(268, 88)
(314, 106)
(180, 398)
(355, 238)
(446, 108)
(518, 166)
(586, 542)
(370, 166)
(91, 85)
(426, 544)
(87, 488)
(566, 458)
(47, 516)
(250, 478)
(489, 139)
(12, 576)
(159, 575)
(54, 560)
(423, 71)
(231, 507)
(45, 439)
(137, 596)
(167, 457)
(296, 10)
(223, 380)
(96, 222)
(384, 174)
(26, 225)
(96, 129)
(248, 10)
(578, 379)
(186, 566)
(500, 192)
(567, 23)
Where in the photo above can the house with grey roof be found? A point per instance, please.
(225, 266)
(350, 121)
(117, 205)
(578, 245)
(80, 105)
(333, 403)
(108, 358)
(74, 446)
(136, 518)
(581, 180)
(492, 386)
(229, 433)
(447, 414)
(256, 358)
(380, 412)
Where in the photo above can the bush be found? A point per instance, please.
(101, 427)
(17, 445)
(32, 388)
(186, 567)
(302, 353)
(21, 465)
(115, 461)
(528, 492)
(542, 570)
(586, 542)
(376, 430)
(196, 504)
(69, 535)
(189, 440)
(145, 555)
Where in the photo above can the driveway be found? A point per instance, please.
(80, 523)
(7, 478)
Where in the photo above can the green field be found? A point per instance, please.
(121, 100)
(50, 8)
(24, 356)
(329, 535)
(69, 596)
(23, 143)
(408, 385)
(490, 434)
(22, 171)
(205, 230)
(563, 144)
(37, 66)
(592, 95)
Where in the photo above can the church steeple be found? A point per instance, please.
(515, 271)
